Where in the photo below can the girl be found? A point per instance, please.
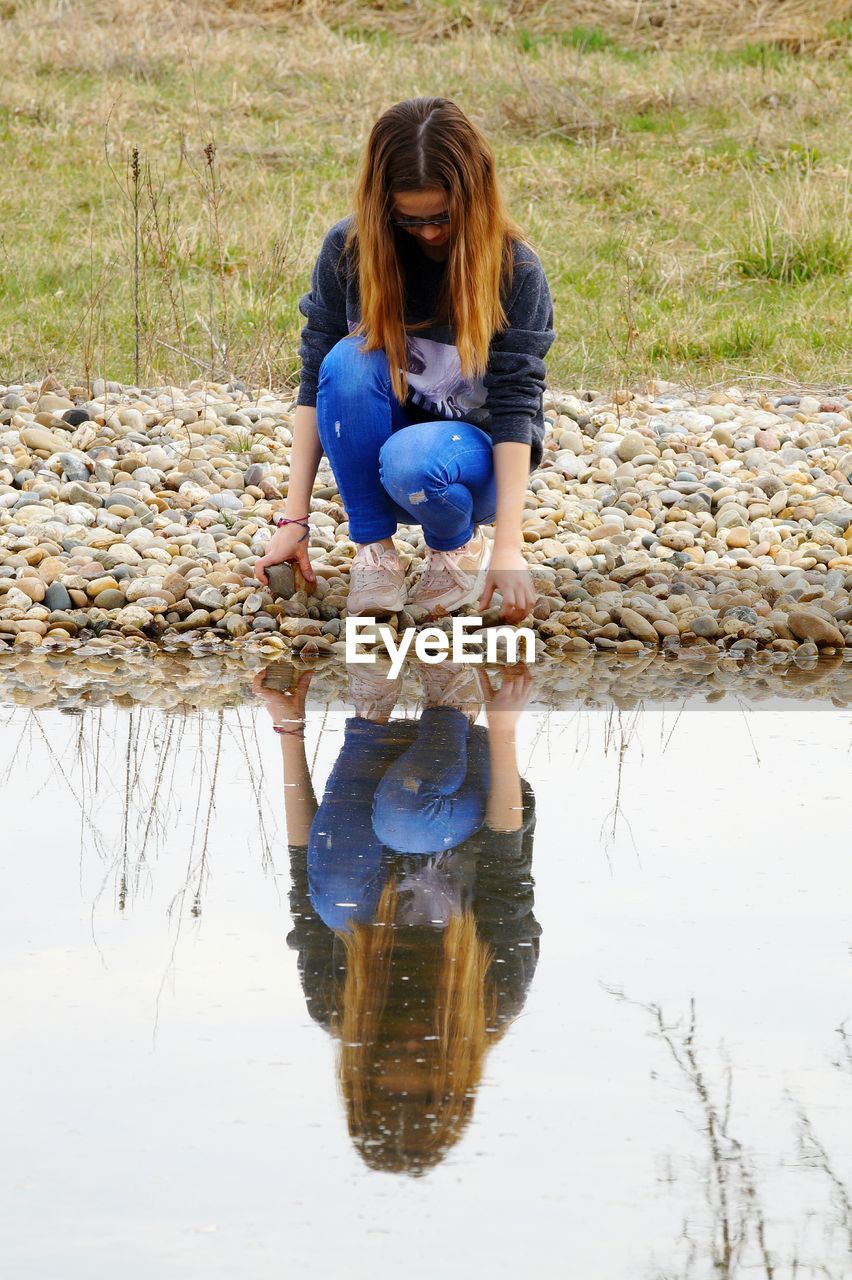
(435, 417)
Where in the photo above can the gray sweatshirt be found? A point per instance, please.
(506, 402)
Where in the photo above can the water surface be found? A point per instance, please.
(372, 1001)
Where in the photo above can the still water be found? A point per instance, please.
(486, 979)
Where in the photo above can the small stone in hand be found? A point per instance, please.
(282, 580)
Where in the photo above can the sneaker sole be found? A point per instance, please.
(376, 610)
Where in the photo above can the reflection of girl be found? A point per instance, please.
(413, 908)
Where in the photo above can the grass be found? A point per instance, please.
(686, 185)
(790, 238)
(791, 261)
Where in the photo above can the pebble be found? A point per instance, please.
(806, 624)
(705, 625)
(56, 597)
(638, 626)
(662, 520)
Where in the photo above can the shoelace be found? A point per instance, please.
(370, 557)
(461, 686)
(443, 567)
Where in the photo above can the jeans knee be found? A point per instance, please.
(404, 471)
(350, 369)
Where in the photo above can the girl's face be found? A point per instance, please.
(429, 203)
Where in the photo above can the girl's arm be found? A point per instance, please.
(504, 808)
(514, 383)
(290, 541)
(287, 709)
(508, 572)
(300, 802)
(305, 458)
(324, 308)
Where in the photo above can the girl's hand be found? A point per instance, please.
(504, 706)
(284, 707)
(509, 574)
(289, 543)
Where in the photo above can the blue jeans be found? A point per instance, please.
(416, 787)
(390, 470)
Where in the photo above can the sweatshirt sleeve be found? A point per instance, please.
(504, 909)
(324, 307)
(515, 378)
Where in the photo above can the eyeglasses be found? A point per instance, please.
(442, 220)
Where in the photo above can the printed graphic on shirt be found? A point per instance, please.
(435, 380)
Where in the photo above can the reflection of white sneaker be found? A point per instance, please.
(452, 578)
(447, 684)
(376, 581)
(372, 694)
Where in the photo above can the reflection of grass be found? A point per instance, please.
(131, 759)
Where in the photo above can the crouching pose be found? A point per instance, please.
(428, 320)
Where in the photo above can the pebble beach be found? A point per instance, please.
(665, 521)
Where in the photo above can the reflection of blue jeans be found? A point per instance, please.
(392, 471)
(414, 787)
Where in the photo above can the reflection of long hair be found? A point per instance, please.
(419, 144)
(410, 1130)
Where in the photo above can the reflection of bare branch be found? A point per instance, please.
(197, 867)
(813, 1153)
(543, 731)
(255, 773)
(743, 711)
(141, 780)
(84, 816)
(674, 726)
(211, 806)
(618, 736)
(737, 1218)
(162, 760)
(844, 1062)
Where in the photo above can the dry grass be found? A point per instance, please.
(646, 177)
(796, 25)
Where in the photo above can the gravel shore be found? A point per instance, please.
(718, 521)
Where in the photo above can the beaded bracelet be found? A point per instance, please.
(297, 732)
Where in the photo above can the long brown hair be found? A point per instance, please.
(420, 144)
(395, 1131)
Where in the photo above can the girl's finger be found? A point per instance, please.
(306, 566)
(510, 611)
(484, 683)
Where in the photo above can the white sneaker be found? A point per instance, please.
(376, 582)
(452, 578)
